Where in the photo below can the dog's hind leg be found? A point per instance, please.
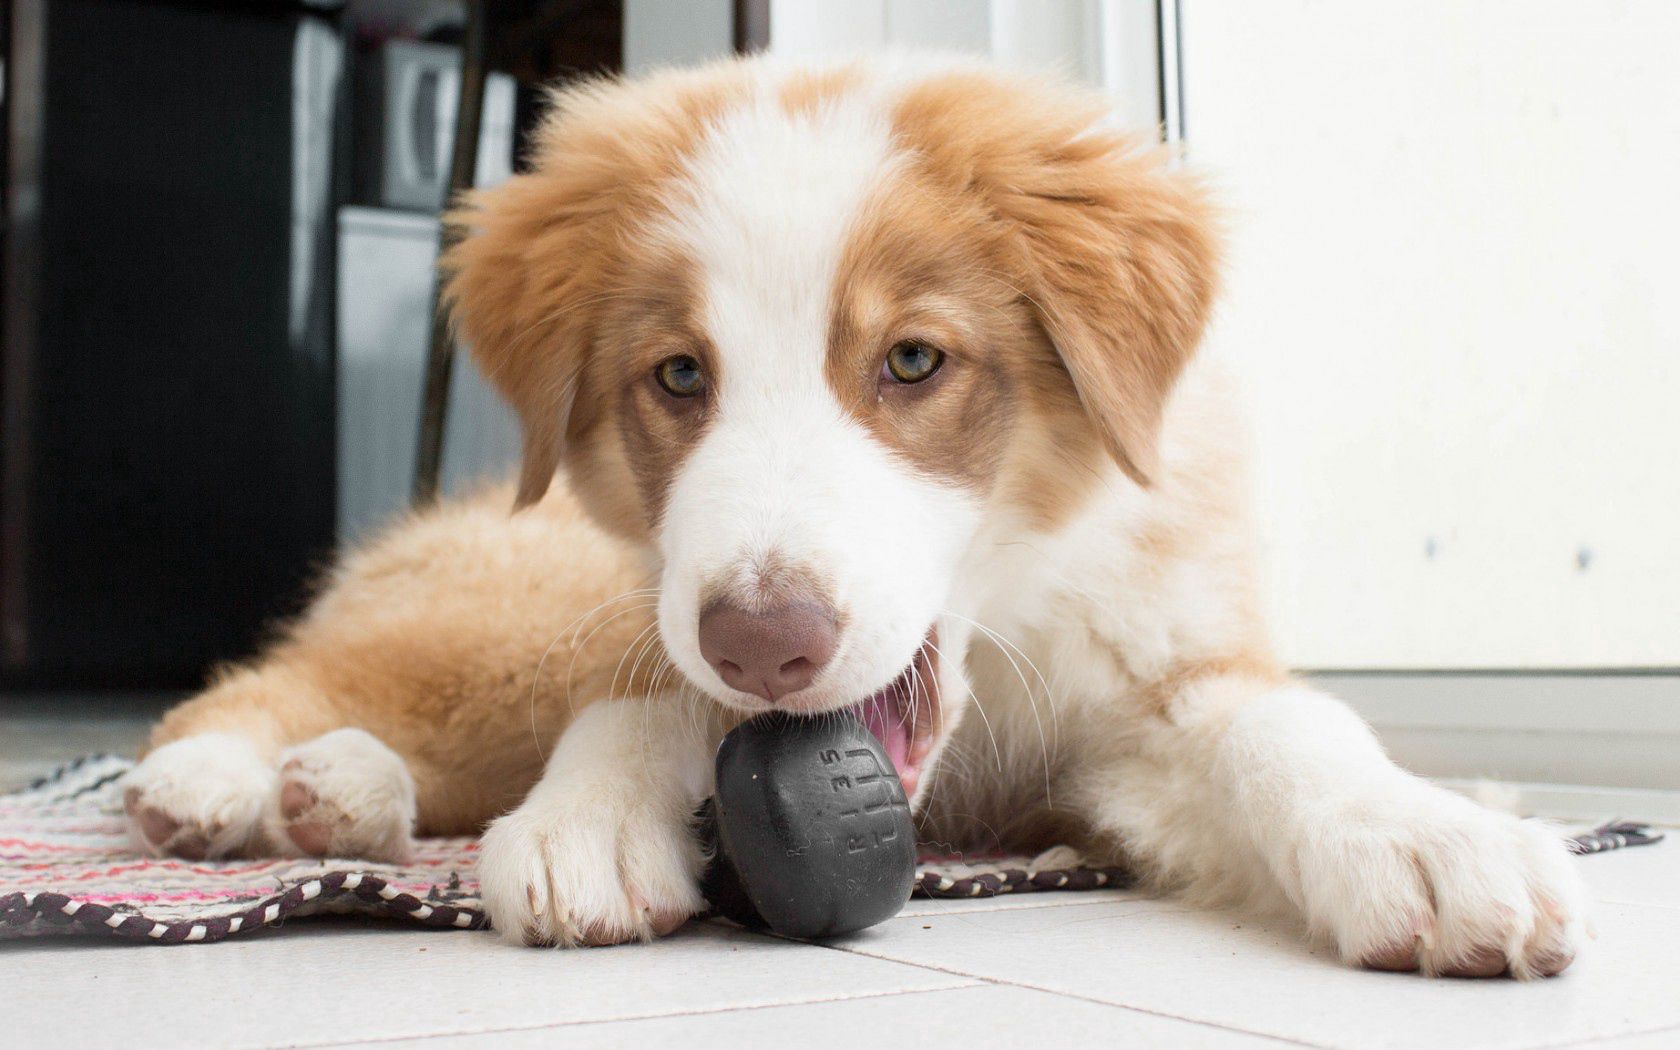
(421, 691)
(211, 777)
(343, 794)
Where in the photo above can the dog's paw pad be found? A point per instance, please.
(314, 838)
(1552, 961)
(345, 794)
(1478, 962)
(1397, 958)
(295, 797)
(156, 826)
(193, 846)
(666, 923)
(197, 798)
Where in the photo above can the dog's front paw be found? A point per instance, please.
(198, 797)
(1427, 880)
(583, 868)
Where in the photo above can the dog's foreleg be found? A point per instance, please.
(1248, 788)
(604, 849)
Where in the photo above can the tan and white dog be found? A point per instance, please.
(862, 387)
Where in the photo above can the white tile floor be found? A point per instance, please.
(1054, 969)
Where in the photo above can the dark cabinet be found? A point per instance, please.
(168, 413)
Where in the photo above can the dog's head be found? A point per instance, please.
(820, 339)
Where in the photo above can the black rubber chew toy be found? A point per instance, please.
(810, 825)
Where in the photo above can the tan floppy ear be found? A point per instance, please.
(1120, 261)
(514, 289)
(524, 284)
(1118, 254)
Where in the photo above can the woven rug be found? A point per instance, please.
(68, 866)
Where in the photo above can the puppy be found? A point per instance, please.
(863, 387)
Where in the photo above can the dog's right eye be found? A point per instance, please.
(911, 362)
(681, 376)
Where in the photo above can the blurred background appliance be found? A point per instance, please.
(386, 261)
(405, 118)
(219, 233)
(167, 480)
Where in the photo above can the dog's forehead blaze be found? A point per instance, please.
(552, 245)
(886, 248)
(729, 261)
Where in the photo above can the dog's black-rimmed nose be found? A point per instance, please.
(768, 653)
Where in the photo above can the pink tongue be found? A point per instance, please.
(883, 717)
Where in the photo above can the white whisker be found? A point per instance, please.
(536, 676)
(978, 706)
(1004, 645)
(581, 646)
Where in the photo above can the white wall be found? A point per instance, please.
(1453, 294)
(1450, 292)
(1109, 43)
(676, 32)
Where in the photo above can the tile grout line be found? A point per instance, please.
(628, 1018)
(1007, 983)
(1637, 904)
(979, 905)
(1596, 1039)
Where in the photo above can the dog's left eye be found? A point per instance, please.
(681, 376)
(911, 362)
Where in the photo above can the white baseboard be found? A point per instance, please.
(1610, 730)
(1580, 806)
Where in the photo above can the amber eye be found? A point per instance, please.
(680, 376)
(912, 362)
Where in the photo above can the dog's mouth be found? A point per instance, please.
(904, 715)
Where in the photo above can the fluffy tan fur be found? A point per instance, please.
(1094, 469)
(431, 638)
(1118, 256)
